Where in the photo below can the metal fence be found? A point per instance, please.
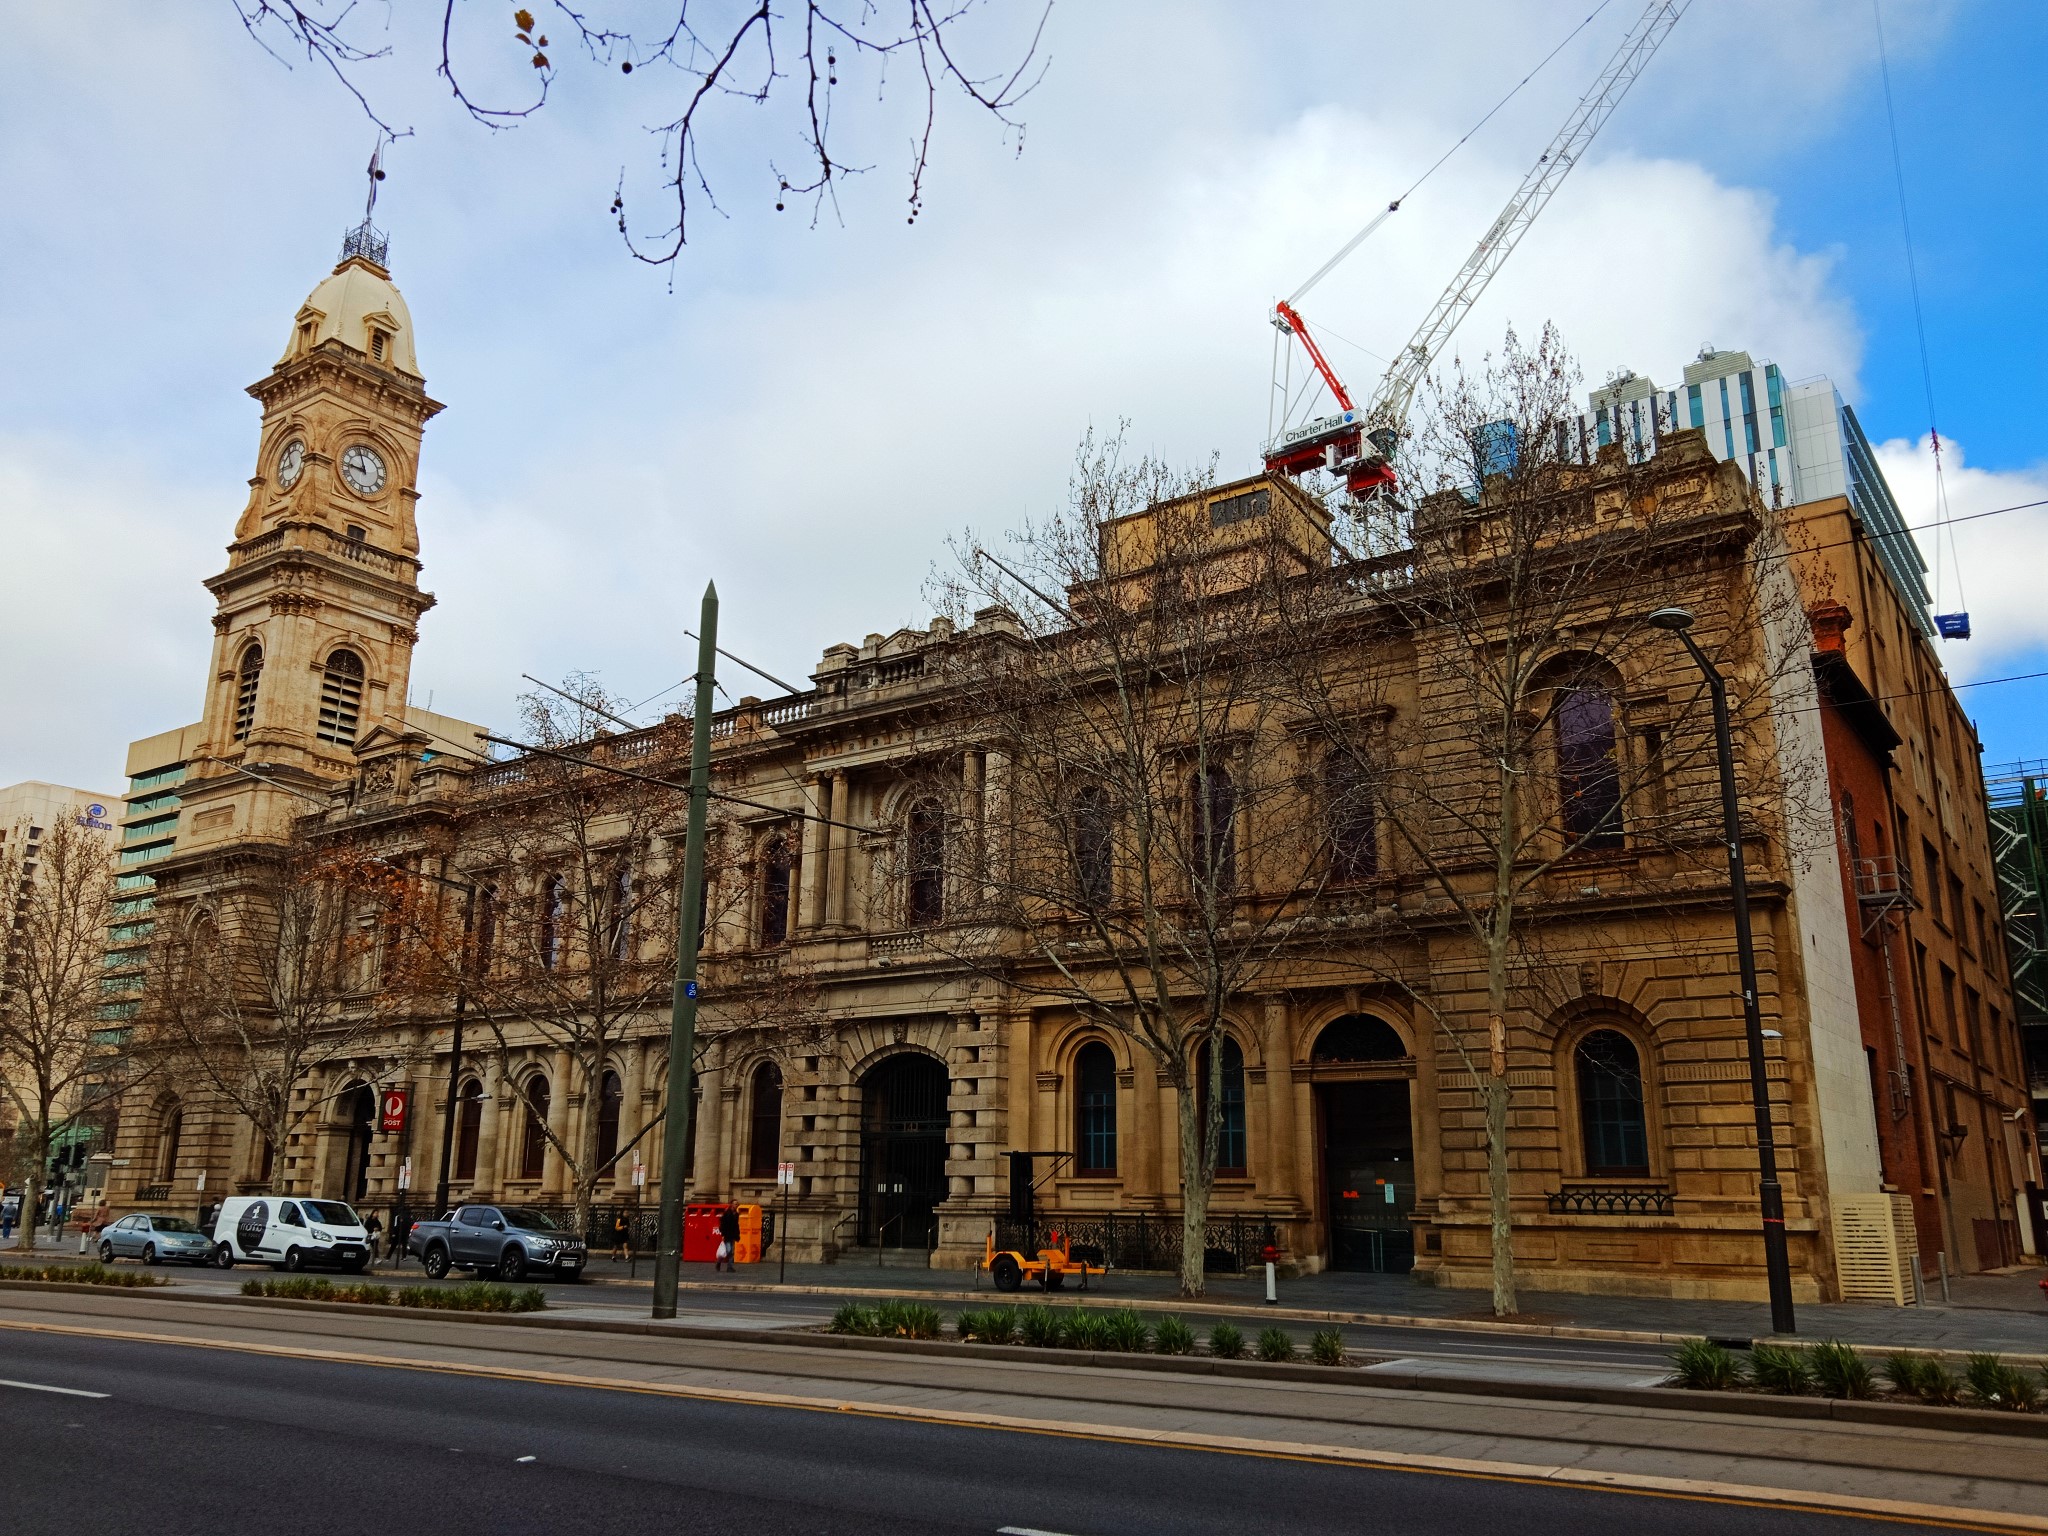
(1143, 1239)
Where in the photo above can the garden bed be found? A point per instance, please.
(1835, 1370)
(83, 1274)
(1095, 1330)
(477, 1296)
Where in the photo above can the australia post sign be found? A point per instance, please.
(394, 1111)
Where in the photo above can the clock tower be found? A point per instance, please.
(318, 609)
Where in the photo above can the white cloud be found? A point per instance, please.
(1989, 566)
(810, 413)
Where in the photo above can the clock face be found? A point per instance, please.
(290, 462)
(363, 468)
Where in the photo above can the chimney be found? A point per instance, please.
(1830, 621)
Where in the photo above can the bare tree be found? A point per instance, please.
(1130, 844)
(49, 1002)
(705, 58)
(294, 958)
(1476, 725)
(578, 871)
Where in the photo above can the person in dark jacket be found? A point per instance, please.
(728, 1238)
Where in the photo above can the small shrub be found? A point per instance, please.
(1994, 1384)
(1781, 1368)
(1275, 1344)
(1225, 1342)
(998, 1325)
(85, 1274)
(1705, 1366)
(1939, 1385)
(1905, 1370)
(318, 1288)
(1039, 1326)
(853, 1318)
(1327, 1346)
(1125, 1332)
(1083, 1329)
(1173, 1337)
(1840, 1371)
(906, 1320)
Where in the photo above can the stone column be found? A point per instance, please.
(554, 1168)
(1284, 1181)
(839, 842)
(815, 869)
(996, 815)
(710, 1173)
(486, 1183)
(631, 1118)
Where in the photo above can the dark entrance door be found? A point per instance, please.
(1368, 1174)
(362, 1119)
(902, 1152)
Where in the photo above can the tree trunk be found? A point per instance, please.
(31, 1198)
(1194, 1187)
(1502, 1232)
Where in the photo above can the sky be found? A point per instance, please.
(806, 408)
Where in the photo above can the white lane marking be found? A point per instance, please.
(522, 1458)
(37, 1386)
(1025, 1530)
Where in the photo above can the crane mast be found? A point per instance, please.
(1359, 443)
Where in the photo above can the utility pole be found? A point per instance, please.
(682, 1031)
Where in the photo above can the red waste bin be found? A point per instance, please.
(700, 1233)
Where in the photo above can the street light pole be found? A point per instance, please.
(455, 1048)
(682, 1033)
(1770, 1194)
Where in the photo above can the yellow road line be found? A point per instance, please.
(1948, 1517)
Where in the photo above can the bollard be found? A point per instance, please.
(1272, 1294)
(1941, 1260)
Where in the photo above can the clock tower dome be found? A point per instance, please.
(318, 609)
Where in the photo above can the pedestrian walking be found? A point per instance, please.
(728, 1239)
(621, 1234)
(371, 1228)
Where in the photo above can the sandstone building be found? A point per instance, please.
(853, 1026)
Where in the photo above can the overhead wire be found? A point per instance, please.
(1919, 316)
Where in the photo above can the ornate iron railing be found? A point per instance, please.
(1142, 1239)
(1611, 1200)
(153, 1192)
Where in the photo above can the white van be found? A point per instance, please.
(289, 1232)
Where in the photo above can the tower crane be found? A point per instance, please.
(1358, 442)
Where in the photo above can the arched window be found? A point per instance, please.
(924, 900)
(618, 913)
(486, 941)
(611, 1094)
(1230, 1144)
(533, 1146)
(1095, 1110)
(778, 882)
(764, 1129)
(1357, 1037)
(247, 680)
(553, 925)
(469, 1124)
(1353, 828)
(1588, 773)
(341, 698)
(1212, 842)
(1094, 832)
(1610, 1083)
(170, 1132)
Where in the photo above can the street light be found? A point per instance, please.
(1770, 1194)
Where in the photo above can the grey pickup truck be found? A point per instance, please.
(506, 1242)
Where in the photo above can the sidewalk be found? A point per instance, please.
(2005, 1313)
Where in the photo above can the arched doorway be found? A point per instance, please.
(1361, 1070)
(359, 1112)
(902, 1151)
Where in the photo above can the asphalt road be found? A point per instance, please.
(218, 1442)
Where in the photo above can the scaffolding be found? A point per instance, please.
(2018, 795)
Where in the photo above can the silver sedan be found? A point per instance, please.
(154, 1239)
